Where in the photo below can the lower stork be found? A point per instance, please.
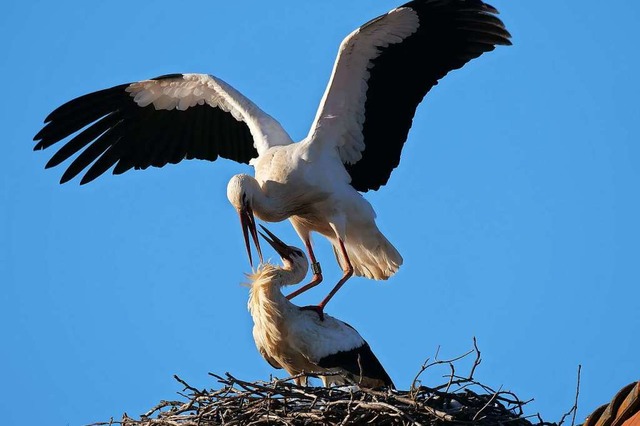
(303, 340)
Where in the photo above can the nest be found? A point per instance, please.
(461, 400)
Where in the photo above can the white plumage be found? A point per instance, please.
(382, 71)
(302, 340)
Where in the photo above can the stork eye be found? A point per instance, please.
(298, 252)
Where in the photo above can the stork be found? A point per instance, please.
(302, 340)
(381, 74)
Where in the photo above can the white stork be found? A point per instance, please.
(303, 340)
(382, 72)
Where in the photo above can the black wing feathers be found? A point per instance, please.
(358, 361)
(451, 33)
(114, 130)
(77, 113)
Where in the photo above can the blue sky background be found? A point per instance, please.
(515, 207)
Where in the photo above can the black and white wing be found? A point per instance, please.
(155, 122)
(335, 345)
(385, 68)
(359, 361)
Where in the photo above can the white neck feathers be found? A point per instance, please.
(267, 304)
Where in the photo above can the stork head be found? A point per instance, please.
(240, 191)
(293, 258)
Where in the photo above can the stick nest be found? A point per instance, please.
(461, 400)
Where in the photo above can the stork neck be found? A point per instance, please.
(266, 299)
(267, 208)
(271, 293)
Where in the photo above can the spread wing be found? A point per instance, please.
(156, 122)
(385, 68)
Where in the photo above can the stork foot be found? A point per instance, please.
(316, 308)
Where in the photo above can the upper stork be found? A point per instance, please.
(382, 72)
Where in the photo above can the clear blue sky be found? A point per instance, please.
(515, 207)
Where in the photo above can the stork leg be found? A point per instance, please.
(348, 272)
(315, 267)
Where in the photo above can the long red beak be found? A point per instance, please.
(279, 246)
(248, 223)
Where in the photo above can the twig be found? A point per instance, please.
(574, 409)
(186, 386)
(493, 398)
(478, 360)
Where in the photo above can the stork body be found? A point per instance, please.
(382, 71)
(298, 339)
(311, 188)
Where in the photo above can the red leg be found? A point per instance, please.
(348, 272)
(317, 273)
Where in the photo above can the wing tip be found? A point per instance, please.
(69, 174)
(86, 179)
(488, 8)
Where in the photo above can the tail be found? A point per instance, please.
(371, 254)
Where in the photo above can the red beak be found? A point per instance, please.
(278, 245)
(248, 223)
